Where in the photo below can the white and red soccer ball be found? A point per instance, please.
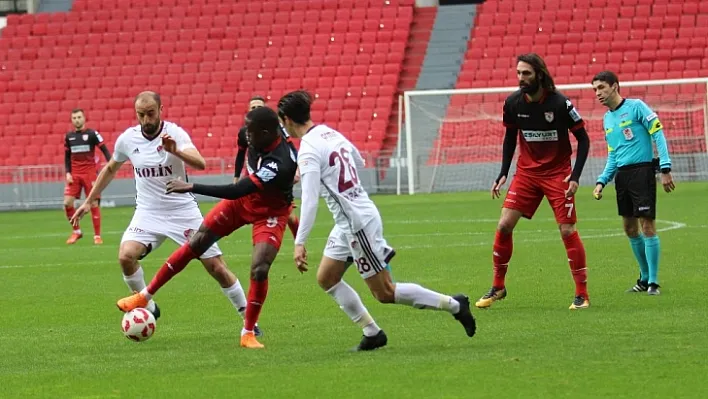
(138, 324)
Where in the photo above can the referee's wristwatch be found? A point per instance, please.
(665, 170)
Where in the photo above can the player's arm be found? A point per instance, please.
(267, 174)
(576, 125)
(310, 186)
(650, 121)
(98, 141)
(182, 147)
(107, 174)
(510, 138)
(67, 156)
(238, 163)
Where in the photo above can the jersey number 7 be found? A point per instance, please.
(344, 164)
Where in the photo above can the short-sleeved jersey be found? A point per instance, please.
(273, 171)
(81, 145)
(338, 161)
(153, 167)
(629, 130)
(543, 129)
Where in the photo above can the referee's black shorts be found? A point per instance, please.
(636, 191)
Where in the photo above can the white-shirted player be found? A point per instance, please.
(329, 164)
(158, 151)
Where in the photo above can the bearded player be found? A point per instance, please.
(541, 117)
(264, 200)
(159, 151)
(81, 171)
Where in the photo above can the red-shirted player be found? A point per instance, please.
(264, 200)
(81, 170)
(541, 117)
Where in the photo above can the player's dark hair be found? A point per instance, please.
(77, 110)
(608, 77)
(544, 77)
(257, 98)
(263, 118)
(296, 106)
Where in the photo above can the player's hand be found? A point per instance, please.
(496, 187)
(668, 182)
(178, 186)
(236, 180)
(572, 187)
(79, 213)
(597, 192)
(300, 258)
(168, 143)
(69, 178)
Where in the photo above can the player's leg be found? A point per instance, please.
(87, 185)
(267, 238)
(564, 210)
(630, 224)
(522, 200)
(334, 263)
(135, 245)
(72, 191)
(371, 253)
(642, 189)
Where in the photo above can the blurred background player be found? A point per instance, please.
(329, 163)
(543, 116)
(81, 170)
(264, 200)
(158, 151)
(630, 128)
(257, 102)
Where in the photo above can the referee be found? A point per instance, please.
(630, 128)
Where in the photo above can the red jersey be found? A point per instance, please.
(79, 147)
(544, 140)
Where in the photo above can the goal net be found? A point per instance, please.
(452, 139)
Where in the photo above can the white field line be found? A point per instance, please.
(608, 233)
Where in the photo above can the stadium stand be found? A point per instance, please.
(206, 58)
(639, 39)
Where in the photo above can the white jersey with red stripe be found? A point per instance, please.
(338, 162)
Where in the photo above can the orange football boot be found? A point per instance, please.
(73, 238)
(129, 303)
(248, 340)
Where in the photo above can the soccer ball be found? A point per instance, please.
(138, 324)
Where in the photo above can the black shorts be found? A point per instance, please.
(636, 191)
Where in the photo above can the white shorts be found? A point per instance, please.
(151, 229)
(367, 247)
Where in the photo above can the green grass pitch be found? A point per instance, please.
(60, 330)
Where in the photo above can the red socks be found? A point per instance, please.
(503, 247)
(175, 264)
(69, 210)
(96, 219)
(578, 266)
(293, 224)
(257, 292)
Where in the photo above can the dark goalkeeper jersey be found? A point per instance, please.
(543, 129)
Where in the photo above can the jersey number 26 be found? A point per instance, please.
(344, 165)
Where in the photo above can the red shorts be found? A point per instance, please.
(526, 193)
(230, 215)
(84, 182)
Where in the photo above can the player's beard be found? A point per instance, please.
(150, 129)
(529, 88)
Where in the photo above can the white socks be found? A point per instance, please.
(422, 298)
(237, 297)
(136, 283)
(350, 302)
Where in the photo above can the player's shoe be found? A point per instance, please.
(580, 302)
(641, 286)
(129, 303)
(494, 294)
(464, 316)
(257, 331)
(156, 312)
(97, 240)
(370, 343)
(73, 238)
(653, 289)
(248, 340)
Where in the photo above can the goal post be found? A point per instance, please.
(450, 140)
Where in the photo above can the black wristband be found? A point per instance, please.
(600, 183)
(665, 170)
